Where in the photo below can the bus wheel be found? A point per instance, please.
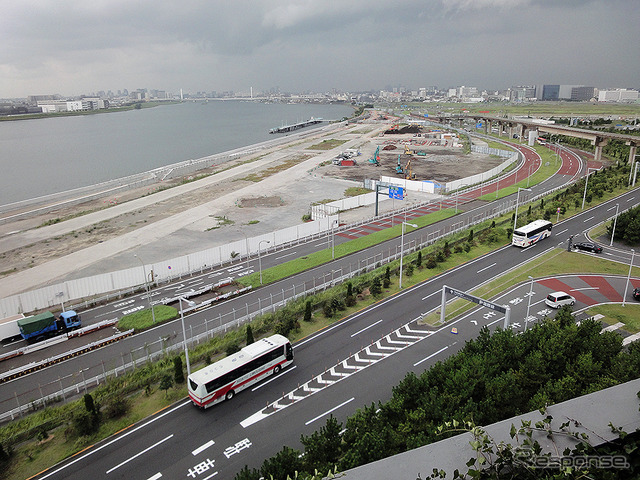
(276, 370)
(229, 395)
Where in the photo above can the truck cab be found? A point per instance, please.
(70, 319)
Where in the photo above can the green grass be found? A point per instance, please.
(556, 262)
(629, 314)
(34, 457)
(327, 144)
(324, 256)
(142, 319)
(355, 191)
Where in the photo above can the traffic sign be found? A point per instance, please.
(396, 192)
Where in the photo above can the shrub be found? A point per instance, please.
(376, 287)
(308, 313)
(431, 262)
(250, 339)
(419, 259)
(117, 407)
(327, 309)
(232, 348)
(178, 374)
(409, 270)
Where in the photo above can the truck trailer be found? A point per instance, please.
(46, 324)
(9, 327)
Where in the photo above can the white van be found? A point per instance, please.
(558, 299)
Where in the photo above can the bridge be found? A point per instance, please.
(520, 127)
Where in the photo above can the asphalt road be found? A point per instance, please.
(379, 346)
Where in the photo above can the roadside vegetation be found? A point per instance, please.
(33, 443)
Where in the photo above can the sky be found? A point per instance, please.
(73, 47)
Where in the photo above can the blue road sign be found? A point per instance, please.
(396, 192)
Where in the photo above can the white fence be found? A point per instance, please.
(426, 186)
(165, 271)
(322, 210)
(484, 176)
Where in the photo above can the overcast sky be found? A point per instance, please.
(73, 47)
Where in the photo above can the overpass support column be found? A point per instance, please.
(510, 132)
(520, 131)
(487, 126)
(633, 148)
(599, 144)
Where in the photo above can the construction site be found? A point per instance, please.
(414, 153)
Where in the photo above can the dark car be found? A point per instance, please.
(636, 293)
(588, 247)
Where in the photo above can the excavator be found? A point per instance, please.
(376, 157)
(408, 151)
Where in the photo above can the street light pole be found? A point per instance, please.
(402, 249)
(626, 287)
(526, 320)
(146, 284)
(615, 219)
(184, 333)
(515, 220)
(260, 257)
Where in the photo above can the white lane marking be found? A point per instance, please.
(202, 448)
(432, 294)
(562, 231)
(140, 453)
(486, 268)
(585, 288)
(211, 476)
(91, 452)
(495, 321)
(587, 219)
(155, 477)
(365, 328)
(283, 256)
(430, 356)
(329, 411)
(273, 377)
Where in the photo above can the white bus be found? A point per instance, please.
(223, 379)
(532, 233)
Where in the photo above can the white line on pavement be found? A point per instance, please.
(202, 448)
(365, 328)
(329, 411)
(140, 453)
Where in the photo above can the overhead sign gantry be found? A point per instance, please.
(505, 309)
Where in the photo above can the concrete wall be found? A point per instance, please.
(125, 280)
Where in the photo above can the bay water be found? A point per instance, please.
(44, 156)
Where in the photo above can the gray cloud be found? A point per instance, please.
(75, 46)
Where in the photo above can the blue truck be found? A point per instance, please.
(38, 327)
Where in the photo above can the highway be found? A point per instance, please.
(125, 353)
(376, 347)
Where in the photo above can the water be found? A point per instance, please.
(44, 156)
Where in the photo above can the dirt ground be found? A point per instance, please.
(440, 164)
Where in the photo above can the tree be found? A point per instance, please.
(323, 449)
(89, 405)
(376, 286)
(166, 382)
(250, 339)
(307, 311)
(419, 259)
(178, 374)
(285, 463)
(386, 282)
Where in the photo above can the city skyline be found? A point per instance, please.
(71, 47)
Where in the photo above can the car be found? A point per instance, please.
(636, 293)
(559, 299)
(588, 247)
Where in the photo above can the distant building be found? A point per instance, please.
(582, 94)
(548, 93)
(34, 99)
(618, 95)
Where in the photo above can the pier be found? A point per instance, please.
(295, 126)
